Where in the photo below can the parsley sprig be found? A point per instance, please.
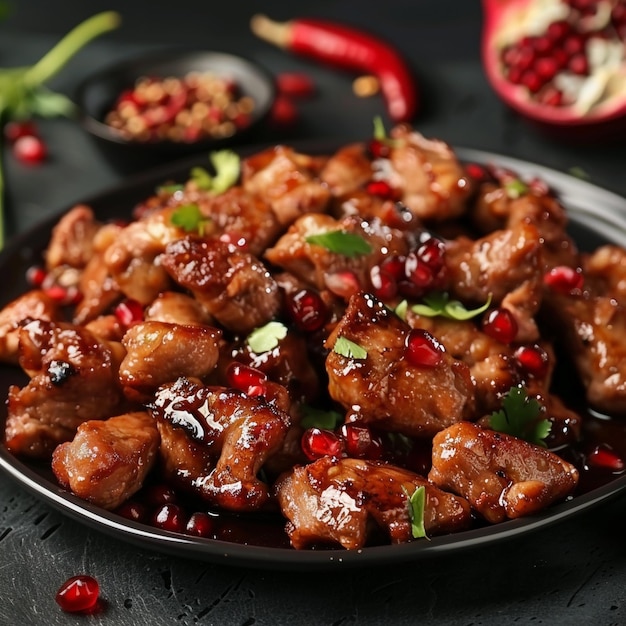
(519, 417)
(341, 242)
(227, 166)
(349, 349)
(267, 337)
(438, 303)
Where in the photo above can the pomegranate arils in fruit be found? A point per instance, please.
(564, 279)
(129, 312)
(307, 310)
(317, 443)
(605, 457)
(78, 594)
(250, 380)
(533, 359)
(422, 349)
(500, 324)
(200, 524)
(170, 517)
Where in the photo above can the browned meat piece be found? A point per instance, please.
(349, 169)
(74, 379)
(159, 353)
(232, 285)
(108, 460)
(98, 288)
(33, 304)
(288, 181)
(106, 327)
(501, 476)
(72, 238)
(226, 427)
(605, 272)
(431, 180)
(177, 308)
(384, 388)
(507, 264)
(130, 258)
(347, 501)
(317, 265)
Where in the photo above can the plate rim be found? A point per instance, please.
(604, 220)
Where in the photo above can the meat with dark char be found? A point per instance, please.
(501, 476)
(384, 388)
(73, 379)
(231, 285)
(232, 433)
(348, 502)
(108, 460)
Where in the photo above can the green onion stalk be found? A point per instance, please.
(22, 89)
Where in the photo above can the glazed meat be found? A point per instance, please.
(605, 272)
(160, 352)
(35, 304)
(173, 307)
(231, 285)
(384, 388)
(234, 431)
(348, 501)
(108, 460)
(348, 170)
(501, 476)
(73, 379)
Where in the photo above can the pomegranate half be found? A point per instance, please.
(560, 63)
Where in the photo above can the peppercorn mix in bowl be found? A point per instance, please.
(149, 109)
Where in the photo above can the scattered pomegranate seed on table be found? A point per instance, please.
(30, 150)
(78, 594)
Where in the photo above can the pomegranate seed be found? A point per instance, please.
(546, 68)
(157, 495)
(500, 324)
(418, 272)
(379, 149)
(432, 252)
(134, 511)
(551, 97)
(384, 286)
(514, 75)
(14, 130)
(382, 189)
(564, 279)
(533, 360)
(307, 310)
(574, 44)
(579, 65)
(604, 456)
(360, 443)
(558, 30)
(394, 266)
(57, 292)
(284, 113)
(477, 172)
(30, 150)
(129, 312)
(35, 276)
(295, 84)
(343, 284)
(531, 81)
(200, 524)
(317, 442)
(543, 45)
(422, 349)
(170, 517)
(250, 380)
(78, 594)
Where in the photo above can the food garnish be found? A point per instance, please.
(341, 242)
(519, 417)
(417, 503)
(227, 166)
(349, 349)
(266, 337)
(438, 303)
(190, 219)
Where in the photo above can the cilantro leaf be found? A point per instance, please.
(266, 338)
(319, 418)
(349, 349)
(226, 164)
(190, 219)
(519, 417)
(515, 188)
(417, 504)
(341, 242)
(438, 303)
(401, 309)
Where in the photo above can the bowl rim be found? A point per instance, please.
(100, 129)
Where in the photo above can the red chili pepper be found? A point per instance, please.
(347, 48)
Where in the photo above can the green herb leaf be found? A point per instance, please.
(515, 188)
(438, 303)
(313, 417)
(226, 164)
(266, 337)
(380, 134)
(170, 188)
(341, 242)
(349, 349)
(190, 219)
(202, 178)
(417, 505)
(401, 310)
(519, 417)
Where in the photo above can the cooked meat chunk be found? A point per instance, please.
(349, 169)
(35, 304)
(322, 268)
(432, 182)
(130, 259)
(72, 238)
(107, 327)
(74, 379)
(384, 388)
(347, 501)
(108, 460)
(605, 272)
(235, 431)
(177, 308)
(159, 352)
(507, 265)
(500, 475)
(230, 284)
(288, 181)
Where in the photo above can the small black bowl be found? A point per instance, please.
(96, 95)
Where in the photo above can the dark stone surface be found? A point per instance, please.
(571, 573)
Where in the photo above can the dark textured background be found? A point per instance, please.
(572, 573)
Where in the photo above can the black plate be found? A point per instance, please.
(596, 215)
